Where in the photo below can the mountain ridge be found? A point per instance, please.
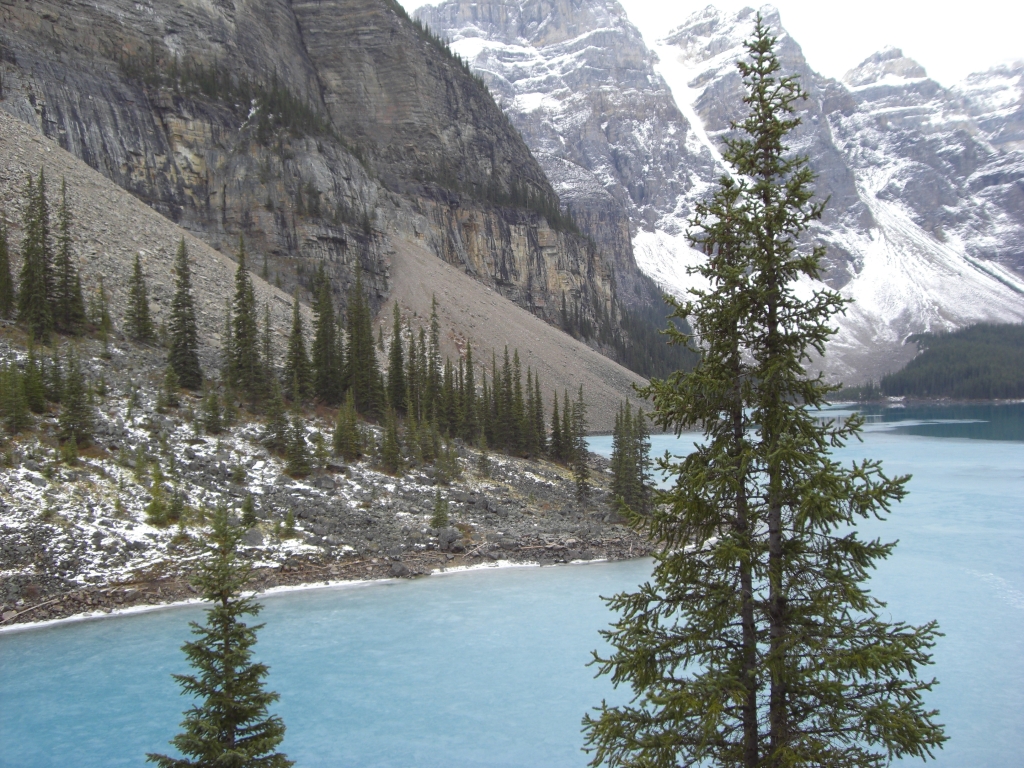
(925, 214)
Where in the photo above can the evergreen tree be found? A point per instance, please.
(326, 369)
(347, 441)
(183, 330)
(757, 644)
(470, 427)
(13, 403)
(538, 417)
(297, 452)
(412, 377)
(517, 416)
(231, 723)
(486, 417)
(440, 517)
(296, 365)
(557, 445)
(568, 440)
(390, 452)
(35, 386)
(434, 360)
(631, 460)
(267, 349)
(275, 433)
(529, 421)
(364, 373)
(69, 306)
(138, 325)
(76, 415)
(168, 397)
(245, 371)
(99, 313)
(53, 378)
(7, 293)
(35, 290)
(579, 454)
(248, 511)
(156, 509)
(212, 415)
(396, 366)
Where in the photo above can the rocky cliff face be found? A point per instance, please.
(923, 226)
(321, 131)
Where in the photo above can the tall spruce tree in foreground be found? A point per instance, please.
(231, 724)
(183, 329)
(138, 325)
(756, 643)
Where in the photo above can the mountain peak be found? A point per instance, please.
(887, 66)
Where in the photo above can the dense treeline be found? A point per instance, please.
(984, 361)
(423, 404)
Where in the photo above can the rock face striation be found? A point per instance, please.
(925, 184)
(321, 131)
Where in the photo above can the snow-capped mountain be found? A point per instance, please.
(925, 222)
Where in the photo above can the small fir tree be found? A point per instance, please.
(363, 370)
(157, 509)
(35, 284)
(183, 329)
(249, 511)
(347, 442)
(7, 293)
(557, 450)
(440, 517)
(396, 366)
(169, 396)
(15, 408)
(297, 452)
(231, 723)
(390, 452)
(68, 304)
(246, 373)
(35, 385)
(138, 325)
(327, 373)
(296, 364)
(211, 413)
(580, 455)
(76, 415)
(275, 432)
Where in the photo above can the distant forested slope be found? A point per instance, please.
(984, 361)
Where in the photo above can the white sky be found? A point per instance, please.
(950, 39)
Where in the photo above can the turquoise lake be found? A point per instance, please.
(487, 668)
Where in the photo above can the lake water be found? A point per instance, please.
(487, 668)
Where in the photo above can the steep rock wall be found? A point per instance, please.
(379, 133)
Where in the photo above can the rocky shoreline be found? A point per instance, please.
(96, 601)
(78, 537)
